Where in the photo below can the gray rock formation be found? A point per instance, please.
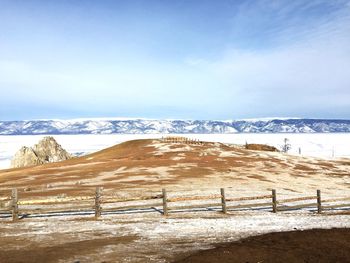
(25, 157)
(46, 150)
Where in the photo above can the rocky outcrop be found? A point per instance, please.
(46, 150)
(25, 157)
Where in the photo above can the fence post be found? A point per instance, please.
(14, 204)
(165, 205)
(319, 203)
(223, 200)
(274, 201)
(98, 202)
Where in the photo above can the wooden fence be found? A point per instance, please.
(99, 203)
(180, 139)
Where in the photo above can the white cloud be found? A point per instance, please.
(270, 50)
(310, 74)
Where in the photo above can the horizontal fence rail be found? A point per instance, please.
(99, 203)
(179, 139)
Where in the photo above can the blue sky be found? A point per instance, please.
(174, 59)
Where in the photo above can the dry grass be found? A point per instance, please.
(152, 164)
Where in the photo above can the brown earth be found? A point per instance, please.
(35, 254)
(154, 163)
(261, 147)
(318, 246)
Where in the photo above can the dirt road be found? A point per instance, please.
(332, 245)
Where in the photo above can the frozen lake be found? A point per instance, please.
(326, 145)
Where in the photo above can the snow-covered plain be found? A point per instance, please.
(326, 145)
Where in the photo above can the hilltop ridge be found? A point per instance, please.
(154, 163)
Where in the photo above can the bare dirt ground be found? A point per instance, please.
(147, 237)
(318, 245)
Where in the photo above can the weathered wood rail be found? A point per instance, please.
(221, 202)
(180, 139)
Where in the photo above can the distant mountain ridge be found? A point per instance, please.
(147, 126)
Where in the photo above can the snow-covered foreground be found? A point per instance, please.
(327, 145)
(154, 237)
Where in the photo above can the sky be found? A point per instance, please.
(179, 59)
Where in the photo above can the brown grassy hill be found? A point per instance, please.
(154, 163)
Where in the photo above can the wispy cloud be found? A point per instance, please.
(307, 72)
(200, 59)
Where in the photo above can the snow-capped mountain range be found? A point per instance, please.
(148, 126)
